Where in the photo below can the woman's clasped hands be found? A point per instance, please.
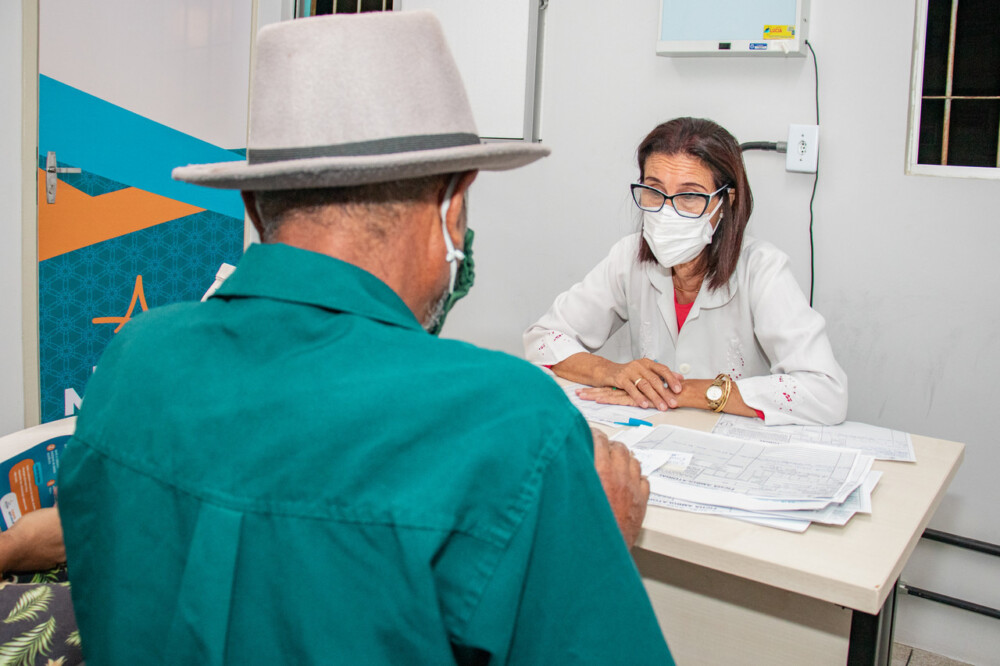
(641, 383)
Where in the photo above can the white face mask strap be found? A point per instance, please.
(718, 205)
(453, 256)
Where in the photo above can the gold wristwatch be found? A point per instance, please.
(718, 393)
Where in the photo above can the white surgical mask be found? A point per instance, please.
(674, 239)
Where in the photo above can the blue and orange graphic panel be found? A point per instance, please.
(122, 236)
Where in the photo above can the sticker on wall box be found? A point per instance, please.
(779, 32)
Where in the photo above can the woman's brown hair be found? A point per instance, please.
(719, 151)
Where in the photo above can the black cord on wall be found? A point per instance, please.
(812, 248)
(781, 147)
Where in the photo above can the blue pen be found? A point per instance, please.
(633, 422)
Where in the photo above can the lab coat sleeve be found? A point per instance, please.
(584, 317)
(807, 385)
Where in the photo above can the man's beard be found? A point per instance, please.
(435, 309)
(434, 312)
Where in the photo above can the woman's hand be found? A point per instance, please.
(643, 382)
(692, 394)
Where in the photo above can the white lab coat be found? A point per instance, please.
(759, 329)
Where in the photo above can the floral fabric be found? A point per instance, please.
(37, 625)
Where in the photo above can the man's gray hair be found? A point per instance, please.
(375, 205)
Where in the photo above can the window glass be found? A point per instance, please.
(959, 98)
(977, 49)
(972, 140)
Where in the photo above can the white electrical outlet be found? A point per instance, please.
(803, 148)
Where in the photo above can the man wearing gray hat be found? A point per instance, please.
(295, 471)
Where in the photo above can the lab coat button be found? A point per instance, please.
(684, 368)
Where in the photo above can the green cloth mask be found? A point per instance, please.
(463, 282)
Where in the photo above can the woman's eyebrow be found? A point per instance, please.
(685, 187)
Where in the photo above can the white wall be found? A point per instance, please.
(11, 365)
(904, 265)
(212, 71)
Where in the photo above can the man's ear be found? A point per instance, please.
(455, 210)
(250, 202)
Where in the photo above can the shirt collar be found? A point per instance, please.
(285, 273)
(663, 282)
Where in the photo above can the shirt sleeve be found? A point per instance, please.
(584, 317)
(807, 385)
(579, 598)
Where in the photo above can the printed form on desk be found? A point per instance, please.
(880, 443)
(785, 486)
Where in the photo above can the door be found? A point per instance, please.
(129, 89)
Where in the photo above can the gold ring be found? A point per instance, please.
(637, 381)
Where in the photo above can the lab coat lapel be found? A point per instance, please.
(712, 298)
(662, 280)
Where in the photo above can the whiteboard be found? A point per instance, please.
(495, 45)
(732, 27)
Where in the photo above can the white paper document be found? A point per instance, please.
(607, 414)
(651, 460)
(791, 525)
(860, 501)
(880, 443)
(750, 475)
(782, 486)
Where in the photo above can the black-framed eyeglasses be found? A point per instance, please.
(687, 204)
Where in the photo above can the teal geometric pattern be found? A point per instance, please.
(177, 260)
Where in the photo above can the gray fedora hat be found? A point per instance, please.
(357, 99)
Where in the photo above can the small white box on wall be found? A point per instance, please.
(733, 28)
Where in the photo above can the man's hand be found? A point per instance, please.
(33, 543)
(626, 488)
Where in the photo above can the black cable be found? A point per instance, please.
(812, 246)
(962, 542)
(950, 601)
(760, 145)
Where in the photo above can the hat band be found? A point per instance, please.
(389, 146)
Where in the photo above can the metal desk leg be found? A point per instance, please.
(872, 635)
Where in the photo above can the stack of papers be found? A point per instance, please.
(880, 443)
(787, 486)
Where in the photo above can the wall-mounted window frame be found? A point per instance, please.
(306, 8)
(950, 96)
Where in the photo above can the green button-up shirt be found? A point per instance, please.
(295, 472)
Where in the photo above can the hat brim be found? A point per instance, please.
(359, 170)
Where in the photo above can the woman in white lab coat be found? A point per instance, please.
(715, 318)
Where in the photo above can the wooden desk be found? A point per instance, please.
(730, 592)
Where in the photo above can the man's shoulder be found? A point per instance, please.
(504, 376)
(154, 331)
(161, 319)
